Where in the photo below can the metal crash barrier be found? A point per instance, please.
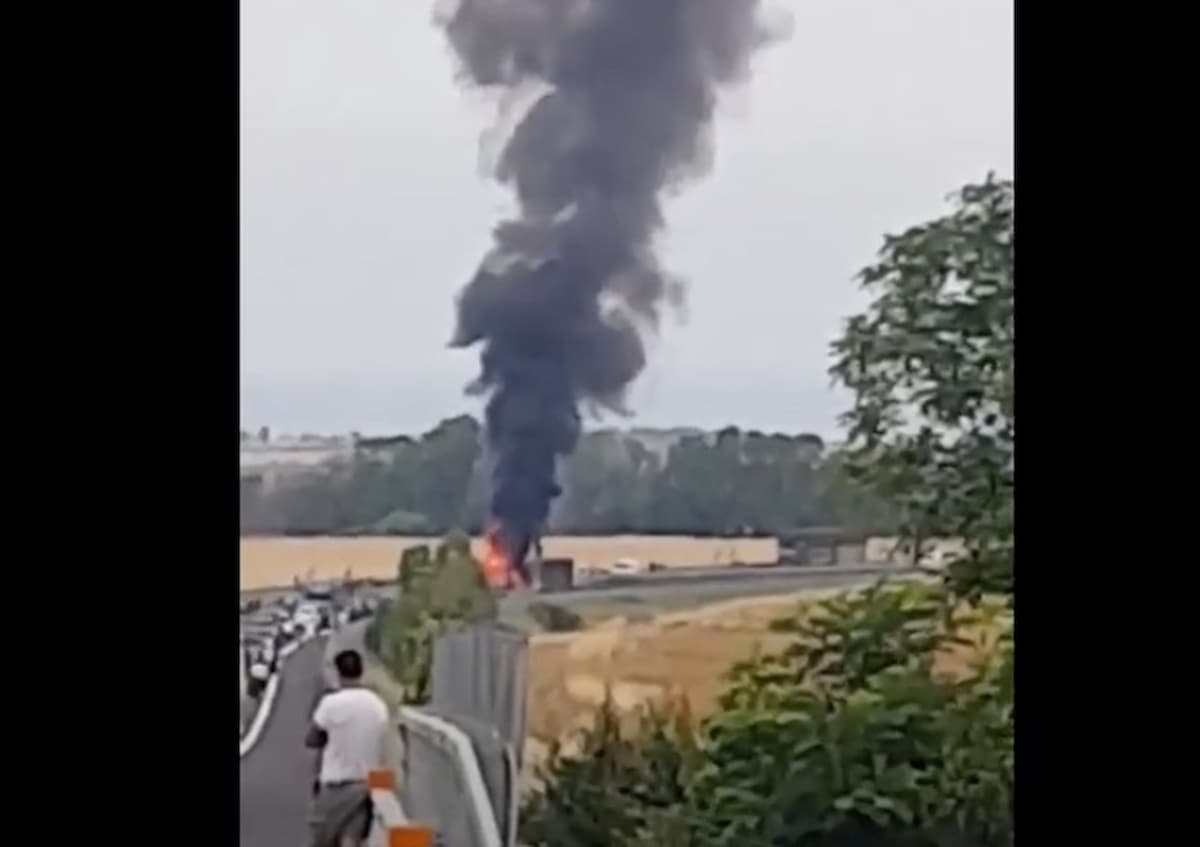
(390, 827)
(445, 786)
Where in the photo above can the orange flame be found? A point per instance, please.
(498, 571)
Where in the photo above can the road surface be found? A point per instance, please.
(679, 579)
(725, 586)
(276, 775)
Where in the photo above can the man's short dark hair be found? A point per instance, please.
(349, 664)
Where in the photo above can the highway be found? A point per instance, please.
(277, 773)
(683, 580)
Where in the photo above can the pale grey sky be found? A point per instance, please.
(364, 208)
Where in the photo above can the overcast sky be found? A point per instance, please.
(364, 209)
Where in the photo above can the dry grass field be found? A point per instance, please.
(682, 653)
(276, 562)
(677, 653)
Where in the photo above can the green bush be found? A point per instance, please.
(554, 618)
(437, 594)
(853, 736)
(623, 786)
(401, 522)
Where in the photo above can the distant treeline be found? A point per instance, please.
(725, 483)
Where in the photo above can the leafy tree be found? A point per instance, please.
(931, 367)
(729, 483)
(444, 464)
(842, 502)
(436, 595)
(854, 736)
(309, 505)
(607, 484)
(401, 522)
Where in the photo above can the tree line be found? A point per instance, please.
(730, 482)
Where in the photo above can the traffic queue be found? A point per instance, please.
(267, 628)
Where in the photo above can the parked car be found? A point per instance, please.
(307, 614)
(318, 591)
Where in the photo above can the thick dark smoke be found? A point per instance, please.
(571, 288)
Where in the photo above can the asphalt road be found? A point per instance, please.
(679, 580)
(277, 773)
(717, 587)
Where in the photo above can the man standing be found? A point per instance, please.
(349, 727)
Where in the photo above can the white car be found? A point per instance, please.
(307, 615)
(626, 567)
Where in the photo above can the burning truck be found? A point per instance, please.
(506, 559)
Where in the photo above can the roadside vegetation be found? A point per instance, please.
(440, 589)
(887, 720)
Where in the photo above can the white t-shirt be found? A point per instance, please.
(356, 721)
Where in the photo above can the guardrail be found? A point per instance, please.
(444, 783)
(390, 827)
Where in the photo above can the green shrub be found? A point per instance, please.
(437, 594)
(401, 522)
(852, 735)
(623, 786)
(554, 618)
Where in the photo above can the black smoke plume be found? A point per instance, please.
(624, 97)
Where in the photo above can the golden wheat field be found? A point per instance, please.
(277, 562)
(678, 655)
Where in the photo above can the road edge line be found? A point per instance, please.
(268, 701)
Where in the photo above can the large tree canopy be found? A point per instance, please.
(930, 364)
